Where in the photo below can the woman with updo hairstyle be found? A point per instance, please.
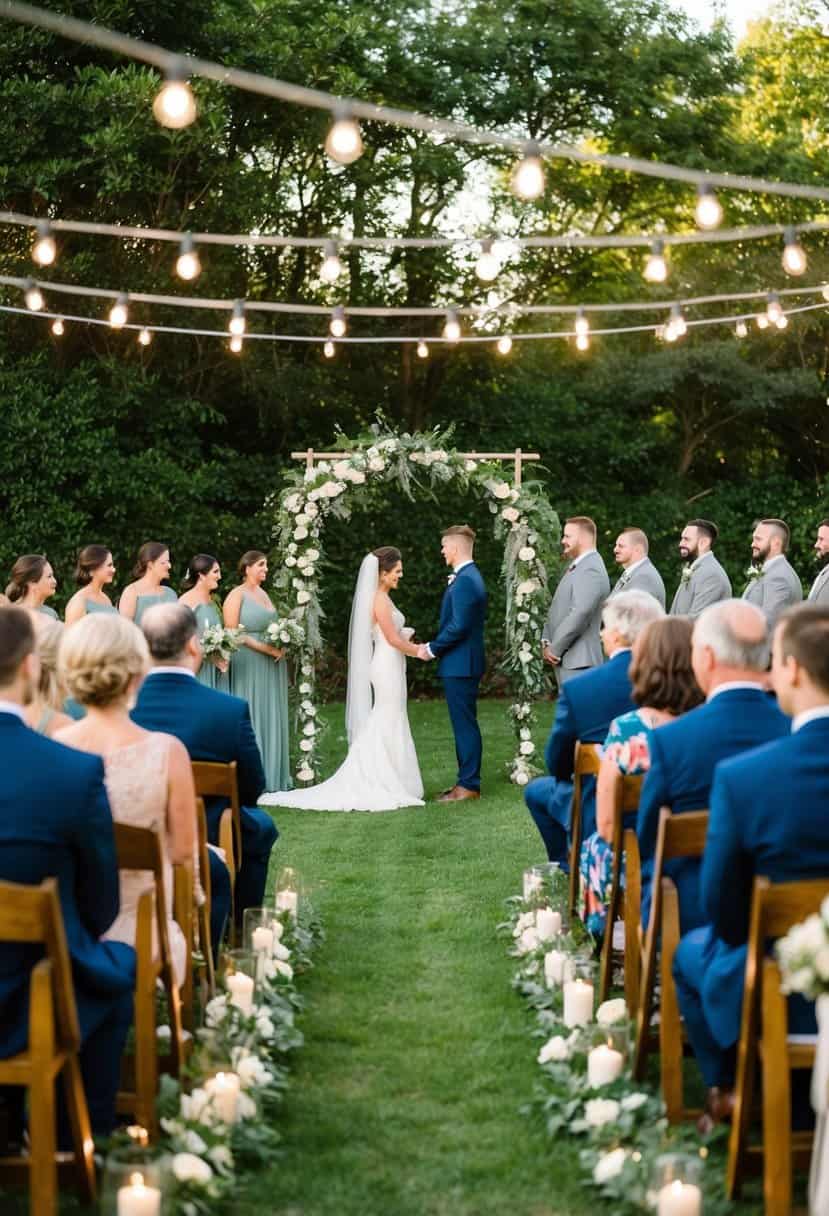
(258, 673)
(32, 582)
(200, 584)
(102, 660)
(151, 569)
(44, 713)
(95, 570)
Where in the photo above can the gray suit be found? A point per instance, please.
(708, 584)
(571, 631)
(776, 589)
(819, 593)
(645, 577)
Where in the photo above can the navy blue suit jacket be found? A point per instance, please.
(683, 755)
(55, 821)
(459, 645)
(212, 725)
(770, 818)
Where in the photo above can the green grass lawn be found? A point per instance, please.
(405, 1098)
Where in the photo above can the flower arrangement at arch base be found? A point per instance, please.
(421, 462)
(628, 1153)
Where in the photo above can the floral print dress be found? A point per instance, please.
(628, 743)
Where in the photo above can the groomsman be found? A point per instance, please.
(773, 587)
(570, 641)
(638, 571)
(703, 580)
(819, 593)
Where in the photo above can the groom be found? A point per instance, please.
(459, 649)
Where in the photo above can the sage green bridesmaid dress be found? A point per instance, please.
(47, 610)
(166, 596)
(264, 685)
(94, 606)
(208, 673)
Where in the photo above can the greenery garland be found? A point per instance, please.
(420, 462)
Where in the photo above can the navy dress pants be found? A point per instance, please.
(462, 701)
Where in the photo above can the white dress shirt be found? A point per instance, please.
(733, 685)
(171, 671)
(12, 707)
(809, 715)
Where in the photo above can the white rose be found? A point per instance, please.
(284, 968)
(308, 570)
(221, 1158)
(305, 745)
(500, 489)
(599, 1111)
(307, 669)
(245, 1107)
(264, 1025)
(609, 1165)
(634, 1101)
(307, 707)
(525, 921)
(313, 495)
(297, 584)
(189, 1168)
(215, 1010)
(278, 929)
(309, 729)
(290, 561)
(300, 533)
(342, 469)
(377, 464)
(388, 445)
(822, 963)
(372, 451)
(526, 747)
(521, 778)
(193, 1142)
(526, 554)
(555, 1048)
(528, 586)
(357, 477)
(312, 510)
(514, 495)
(305, 774)
(528, 941)
(523, 617)
(324, 466)
(293, 503)
(304, 689)
(302, 520)
(525, 733)
(195, 1106)
(281, 952)
(302, 597)
(311, 555)
(525, 656)
(251, 1071)
(610, 1012)
(510, 514)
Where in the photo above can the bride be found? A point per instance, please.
(380, 772)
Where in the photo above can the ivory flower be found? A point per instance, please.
(609, 1165)
(526, 554)
(187, 1167)
(510, 514)
(556, 1048)
(500, 489)
(599, 1111)
(610, 1012)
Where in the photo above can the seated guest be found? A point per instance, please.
(638, 571)
(44, 713)
(55, 822)
(703, 581)
(585, 708)
(767, 818)
(663, 687)
(212, 725)
(149, 781)
(32, 583)
(729, 656)
(773, 585)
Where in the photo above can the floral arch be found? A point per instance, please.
(522, 516)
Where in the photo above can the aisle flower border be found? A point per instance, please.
(523, 518)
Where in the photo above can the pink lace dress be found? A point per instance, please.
(136, 782)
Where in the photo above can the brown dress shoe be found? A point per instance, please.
(459, 794)
(719, 1107)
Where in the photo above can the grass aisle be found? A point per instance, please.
(405, 1098)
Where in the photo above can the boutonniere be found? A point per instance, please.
(753, 573)
(451, 578)
(687, 574)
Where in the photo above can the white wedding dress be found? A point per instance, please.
(380, 772)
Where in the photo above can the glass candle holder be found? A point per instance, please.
(580, 993)
(676, 1185)
(545, 885)
(261, 932)
(136, 1181)
(607, 1054)
(223, 1087)
(287, 891)
(559, 963)
(239, 977)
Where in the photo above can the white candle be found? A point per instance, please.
(240, 987)
(532, 884)
(548, 923)
(224, 1094)
(138, 1199)
(578, 1003)
(604, 1064)
(554, 967)
(678, 1199)
(262, 939)
(286, 901)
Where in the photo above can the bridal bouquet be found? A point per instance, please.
(219, 642)
(287, 634)
(803, 955)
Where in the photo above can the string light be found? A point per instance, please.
(794, 255)
(337, 325)
(331, 267)
(175, 105)
(582, 325)
(33, 296)
(58, 327)
(44, 250)
(188, 263)
(237, 324)
(741, 329)
(328, 349)
(236, 343)
(488, 265)
(582, 342)
(504, 344)
(656, 268)
(774, 309)
(344, 143)
(678, 321)
(144, 337)
(452, 328)
(422, 350)
(824, 291)
(762, 320)
(708, 211)
(119, 312)
(782, 321)
(528, 175)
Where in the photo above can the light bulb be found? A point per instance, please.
(670, 332)
(175, 105)
(119, 312)
(582, 342)
(782, 321)
(188, 263)
(452, 328)
(774, 308)
(762, 320)
(144, 337)
(328, 349)
(708, 212)
(504, 344)
(528, 174)
(344, 143)
(237, 324)
(331, 267)
(58, 327)
(678, 321)
(488, 266)
(422, 350)
(582, 326)
(656, 268)
(44, 250)
(337, 325)
(236, 343)
(741, 329)
(33, 295)
(794, 255)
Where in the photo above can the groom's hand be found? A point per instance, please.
(424, 653)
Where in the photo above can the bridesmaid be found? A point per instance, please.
(95, 570)
(32, 583)
(201, 583)
(259, 674)
(150, 571)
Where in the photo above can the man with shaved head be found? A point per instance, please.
(773, 585)
(730, 656)
(638, 571)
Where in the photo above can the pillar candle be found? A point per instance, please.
(548, 923)
(604, 1064)
(240, 987)
(136, 1199)
(677, 1199)
(286, 901)
(262, 939)
(224, 1094)
(578, 1003)
(532, 884)
(555, 966)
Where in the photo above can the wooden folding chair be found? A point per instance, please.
(678, 836)
(205, 969)
(775, 908)
(628, 791)
(32, 915)
(184, 914)
(214, 780)
(586, 764)
(140, 849)
(633, 923)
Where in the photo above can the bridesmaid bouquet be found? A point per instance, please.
(287, 634)
(219, 642)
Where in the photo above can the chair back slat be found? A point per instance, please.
(138, 849)
(785, 904)
(587, 760)
(683, 835)
(628, 794)
(215, 780)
